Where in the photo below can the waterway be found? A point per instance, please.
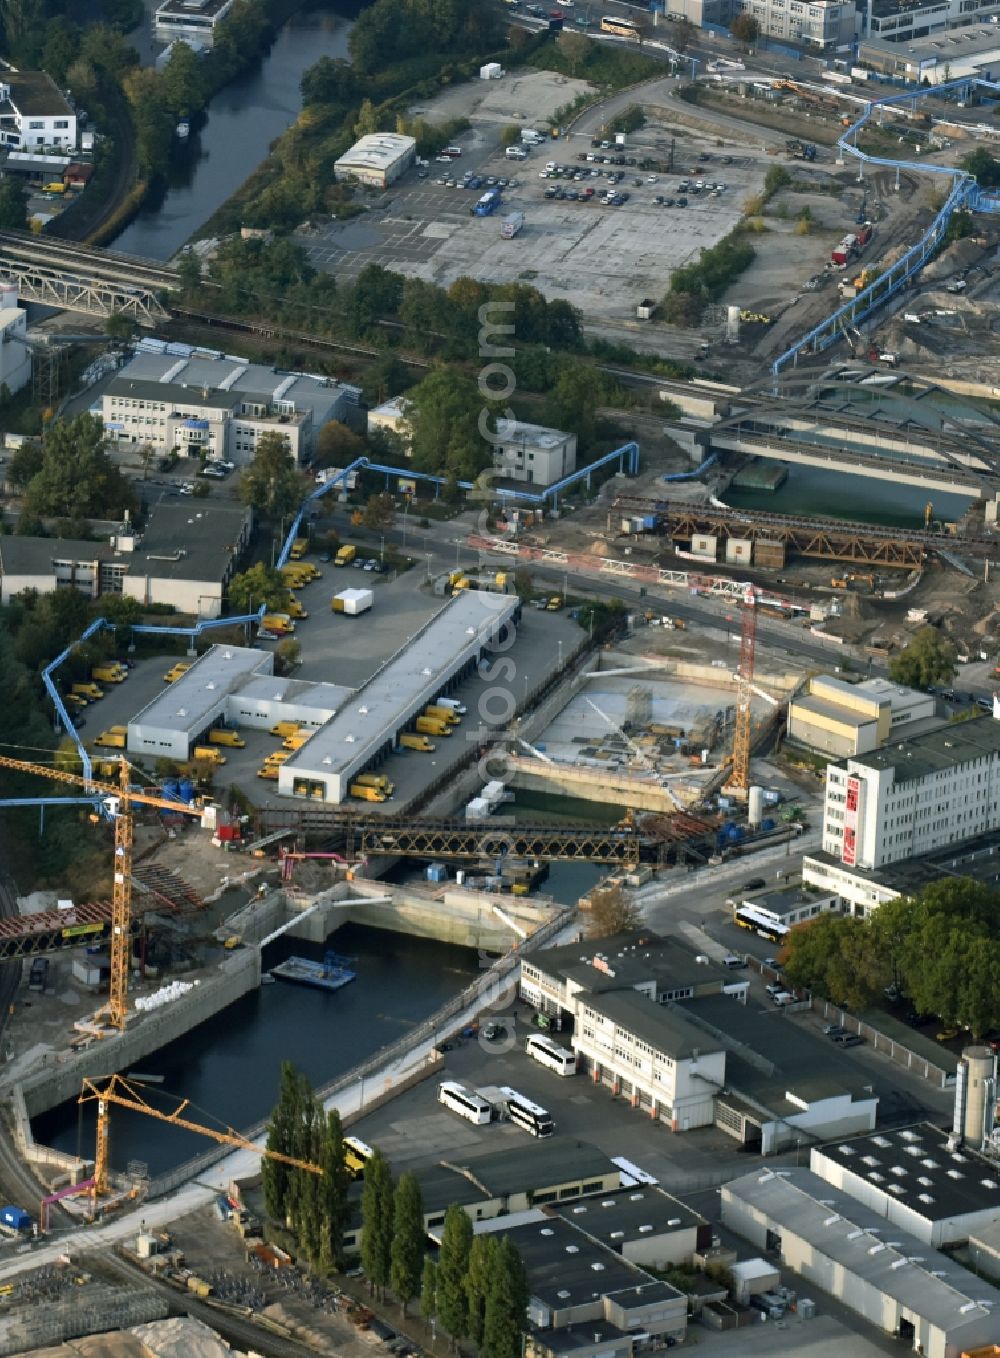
(815, 493)
(241, 122)
(229, 1067)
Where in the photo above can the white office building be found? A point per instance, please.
(914, 797)
(532, 453)
(212, 406)
(193, 21)
(824, 24)
(15, 356)
(34, 113)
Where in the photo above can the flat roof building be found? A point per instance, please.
(193, 21)
(216, 406)
(168, 726)
(882, 1272)
(644, 1224)
(532, 453)
(942, 55)
(915, 796)
(377, 160)
(842, 719)
(447, 648)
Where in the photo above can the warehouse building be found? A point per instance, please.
(883, 1273)
(377, 160)
(215, 407)
(183, 557)
(643, 1224)
(860, 891)
(430, 664)
(973, 51)
(843, 720)
(914, 797)
(168, 726)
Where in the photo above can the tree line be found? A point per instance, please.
(939, 949)
(476, 1289)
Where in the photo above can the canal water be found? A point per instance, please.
(815, 493)
(229, 1067)
(241, 122)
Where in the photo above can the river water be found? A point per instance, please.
(229, 1067)
(815, 493)
(241, 122)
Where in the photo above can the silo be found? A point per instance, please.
(755, 811)
(975, 1096)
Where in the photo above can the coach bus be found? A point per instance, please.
(464, 1102)
(550, 1054)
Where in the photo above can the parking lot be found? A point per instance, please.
(602, 258)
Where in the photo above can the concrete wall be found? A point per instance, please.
(59, 1078)
(590, 785)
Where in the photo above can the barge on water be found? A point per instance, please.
(330, 974)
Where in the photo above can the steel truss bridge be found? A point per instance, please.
(409, 837)
(79, 278)
(830, 539)
(964, 194)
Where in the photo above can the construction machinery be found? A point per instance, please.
(116, 803)
(121, 1093)
(739, 781)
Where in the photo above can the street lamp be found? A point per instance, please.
(381, 549)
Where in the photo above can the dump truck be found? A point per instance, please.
(800, 150)
(352, 602)
(409, 740)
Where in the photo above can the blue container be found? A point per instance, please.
(767, 824)
(437, 872)
(185, 790)
(170, 789)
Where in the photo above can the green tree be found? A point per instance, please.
(506, 1306)
(13, 204)
(77, 477)
(184, 89)
(120, 327)
(258, 585)
(337, 446)
(275, 1176)
(272, 483)
(453, 1263)
(929, 659)
(575, 397)
(25, 464)
(510, 135)
(574, 48)
(189, 272)
(407, 1253)
(334, 1188)
(367, 122)
(611, 912)
(388, 376)
(67, 756)
(428, 1289)
(745, 29)
(445, 425)
(289, 652)
(377, 1222)
(833, 956)
(379, 513)
(484, 1260)
(983, 166)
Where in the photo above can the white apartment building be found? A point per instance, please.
(914, 797)
(34, 113)
(823, 24)
(215, 407)
(532, 453)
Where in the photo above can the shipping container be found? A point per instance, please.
(511, 225)
(352, 601)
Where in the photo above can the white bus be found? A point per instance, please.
(526, 1114)
(464, 1102)
(550, 1054)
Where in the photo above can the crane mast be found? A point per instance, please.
(739, 782)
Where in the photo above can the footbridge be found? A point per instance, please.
(964, 194)
(79, 278)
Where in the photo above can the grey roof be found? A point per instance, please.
(667, 1030)
(191, 700)
(978, 858)
(915, 1166)
(919, 1278)
(789, 1058)
(585, 1335)
(182, 7)
(302, 692)
(34, 93)
(223, 383)
(626, 961)
(543, 1165)
(381, 706)
(824, 707)
(169, 393)
(35, 556)
(946, 747)
(781, 903)
(630, 1214)
(565, 1268)
(208, 532)
(987, 1236)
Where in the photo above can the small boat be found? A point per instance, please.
(183, 129)
(329, 974)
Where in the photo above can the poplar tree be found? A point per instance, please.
(333, 1190)
(407, 1240)
(376, 1222)
(428, 1289)
(275, 1176)
(506, 1306)
(484, 1259)
(453, 1264)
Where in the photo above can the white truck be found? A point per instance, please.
(353, 602)
(511, 225)
(530, 137)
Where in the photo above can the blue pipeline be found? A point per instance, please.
(965, 193)
(698, 471)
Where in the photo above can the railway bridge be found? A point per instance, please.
(96, 282)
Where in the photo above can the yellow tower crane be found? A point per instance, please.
(119, 800)
(120, 1092)
(739, 780)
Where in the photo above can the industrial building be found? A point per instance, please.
(896, 21)
(193, 21)
(673, 1034)
(34, 113)
(429, 664)
(15, 356)
(789, 906)
(882, 1272)
(644, 1224)
(216, 407)
(914, 797)
(175, 719)
(972, 51)
(843, 720)
(532, 453)
(377, 160)
(184, 557)
(859, 891)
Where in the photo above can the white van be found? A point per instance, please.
(453, 703)
(516, 153)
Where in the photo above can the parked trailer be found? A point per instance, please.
(511, 225)
(352, 601)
